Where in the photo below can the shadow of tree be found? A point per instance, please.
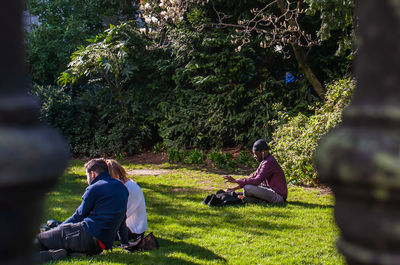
(309, 205)
(227, 217)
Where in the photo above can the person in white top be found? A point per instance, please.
(136, 219)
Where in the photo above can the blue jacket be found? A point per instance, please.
(103, 208)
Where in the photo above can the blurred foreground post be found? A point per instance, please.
(32, 157)
(360, 160)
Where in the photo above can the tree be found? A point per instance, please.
(63, 26)
(113, 55)
(277, 23)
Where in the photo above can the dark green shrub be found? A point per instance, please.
(195, 157)
(220, 159)
(294, 142)
(175, 155)
(158, 148)
(92, 123)
(246, 159)
(220, 97)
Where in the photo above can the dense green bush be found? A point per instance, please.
(221, 97)
(92, 124)
(195, 157)
(246, 159)
(219, 159)
(294, 142)
(176, 155)
(106, 105)
(65, 25)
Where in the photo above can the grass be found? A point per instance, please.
(301, 231)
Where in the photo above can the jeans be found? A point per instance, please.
(71, 237)
(263, 193)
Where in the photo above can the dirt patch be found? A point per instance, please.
(152, 172)
(181, 190)
(322, 190)
(148, 158)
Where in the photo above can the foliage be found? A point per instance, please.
(116, 54)
(92, 124)
(175, 155)
(336, 16)
(245, 159)
(221, 160)
(289, 27)
(220, 98)
(130, 88)
(158, 148)
(195, 157)
(65, 25)
(294, 142)
(302, 231)
(111, 108)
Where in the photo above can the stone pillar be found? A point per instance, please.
(360, 159)
(32, 156)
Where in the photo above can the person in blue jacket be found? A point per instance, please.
(94, 225)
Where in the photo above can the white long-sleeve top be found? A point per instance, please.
(136, 219)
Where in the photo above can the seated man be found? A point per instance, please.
(94, 225)
(268, 183)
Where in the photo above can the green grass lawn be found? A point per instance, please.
(301, 231)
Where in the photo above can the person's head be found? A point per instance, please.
(260, 150)
(116, 170)
(94, 168)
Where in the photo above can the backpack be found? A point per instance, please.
(222, 198)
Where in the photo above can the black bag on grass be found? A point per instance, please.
(222, 198)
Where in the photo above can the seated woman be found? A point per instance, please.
(268, 183)
(136, 219)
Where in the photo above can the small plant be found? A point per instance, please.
(158, 148)
(175, 155)
(195, 157)
(221, 160)
(245, 159)
(217, 158)
(231, 164)
(120, 155)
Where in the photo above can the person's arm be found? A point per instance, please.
(259, 176)
(123, 233)
(234, 188)
(231, 180)
(84, 209)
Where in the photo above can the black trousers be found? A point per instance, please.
(71, 237)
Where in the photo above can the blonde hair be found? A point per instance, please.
(116, 170)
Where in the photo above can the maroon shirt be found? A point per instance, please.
(270, 173)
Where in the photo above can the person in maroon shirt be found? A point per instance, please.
(268, 183)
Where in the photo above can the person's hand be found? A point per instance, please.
(230, 189)
(229, 179)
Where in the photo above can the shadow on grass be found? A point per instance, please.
(65, 198)
(204, 217)
(309, 205)
(169, 252)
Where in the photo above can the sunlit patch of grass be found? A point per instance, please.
(301, 231)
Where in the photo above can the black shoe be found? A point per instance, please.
(51, 255)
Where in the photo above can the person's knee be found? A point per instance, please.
(37, 246)
(248, 190)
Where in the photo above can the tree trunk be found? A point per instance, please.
(301, 60)
(118, 90)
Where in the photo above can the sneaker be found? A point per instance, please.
(51, 255)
